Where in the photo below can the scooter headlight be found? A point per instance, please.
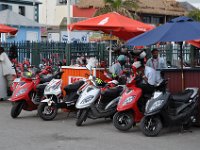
(87, 99)
(156, 105)
(128, 100)
(21, 91)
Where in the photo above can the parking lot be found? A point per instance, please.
(29, 132)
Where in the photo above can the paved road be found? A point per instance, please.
(29, 132)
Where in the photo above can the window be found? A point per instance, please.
(22, 10)
(62, 2)
(146, 19)
(156, 20)
(4, 7)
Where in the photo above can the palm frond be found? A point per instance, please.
(104, 10)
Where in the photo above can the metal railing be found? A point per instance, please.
(57, 51)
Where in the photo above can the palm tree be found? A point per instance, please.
(195, 14)
(120, 6)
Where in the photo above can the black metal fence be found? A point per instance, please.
(57, 51)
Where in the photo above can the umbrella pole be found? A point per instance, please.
(182, 75)
(110, 51)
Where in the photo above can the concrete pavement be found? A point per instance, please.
(29, 132)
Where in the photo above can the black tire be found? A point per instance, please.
(46, 112)
(197, 116)
(17, 108)
(81, 116)
(151, 126)
(123, 121)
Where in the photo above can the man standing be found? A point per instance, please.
(156, 62)
(7, 72)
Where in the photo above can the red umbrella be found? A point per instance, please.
(7, 29)
(113, 23)
(195, 43)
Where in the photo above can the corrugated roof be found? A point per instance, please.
(165, 7)
(9, 17)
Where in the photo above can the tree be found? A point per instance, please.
(123, 7)
(195, 14)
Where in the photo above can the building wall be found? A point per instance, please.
(22, 34)
(29, 12)
(51, 13)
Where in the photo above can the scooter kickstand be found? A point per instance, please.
(68, 114)
(185, 130)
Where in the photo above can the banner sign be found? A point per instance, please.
(72, 79)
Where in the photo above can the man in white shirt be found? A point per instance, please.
(7, 71)
(156, 62)
(148, 76)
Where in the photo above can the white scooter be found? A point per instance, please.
(93, 103)
(48, 107)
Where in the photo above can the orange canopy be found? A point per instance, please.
(113, 23)
(7, 29)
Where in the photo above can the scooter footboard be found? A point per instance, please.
(46, 100)
(113, 103)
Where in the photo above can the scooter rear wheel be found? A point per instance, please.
(47, 112)
(81, 116)
(151, 126)
(123, 121)
(16, 109)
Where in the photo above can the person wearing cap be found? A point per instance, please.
(156, 63)
(148, 76)
(117, 68)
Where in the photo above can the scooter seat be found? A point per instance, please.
(41, 86)
(74, 87)
(112, 91)
(182, 97)
(110, 94)
(46, 79)
(49, 77)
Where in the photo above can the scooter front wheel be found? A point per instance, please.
(151, 126)
(17, 108)
(123, 121)
(47, 112)
(81, 116)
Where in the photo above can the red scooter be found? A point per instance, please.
(23, 95)
(128, 112)
(130, 108)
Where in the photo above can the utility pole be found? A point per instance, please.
(68, 21)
